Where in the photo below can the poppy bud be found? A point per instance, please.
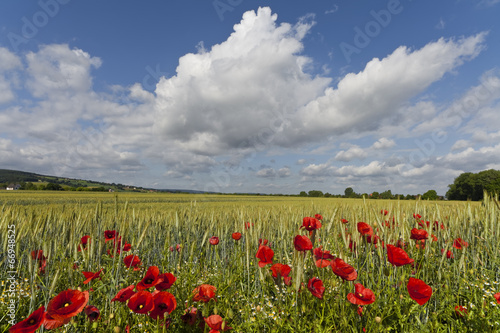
(378, 320)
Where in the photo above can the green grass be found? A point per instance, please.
(247, 297)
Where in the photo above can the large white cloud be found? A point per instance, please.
(363, 101)
(237, 94)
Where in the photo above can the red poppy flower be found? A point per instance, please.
(316, 288)
(248, 225)
(344, 221)
(344, 270)
(164, 302)
(322, 257)
(132, 261)
(401, 244)
(67, 304)
(91, 276)
(216, 323)
(417, 216)
(124, 294)
(150, 279)
(37, 255)
(283, 271)
(236, 236)
(204, 293)
(360, 310)
(92, 313)
(165, 281)
(419, 291)
(311, 223)
(30, 324)
(302, 243)
(397, 256)
(361, 295)
(190, 315)
(141, 302)
(497, 297)
(461, 310)
(50, 323)
(373, 239)
(384, 212)
(109, 235)
(419, 234)
(364, 229)
(83, 243)
(318, 216)
(265, 255)
(459, 243)
(214, 240)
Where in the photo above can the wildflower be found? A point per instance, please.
(280, 270)
(216, 323)
(124, 294)
(318, 216)
(109, 235)
(165, 281)
(30, 324)
(236, 236)
(419, 291)
(92, 313)
(497, 297)
(344, 270)
(150, 279)
(214, 240)
(417, 216)
(67, 304)
(164, 302)
(418, 234)
(361, 295)
(460, 310)
(91, 276)
(397, 256)
(190, 315)
(316, 288)
(141, 302)
(204, 293)
(132, 261)
(364, 229)
(384, 212)
(322, 257)
(302, 243)
(265, 255)
(311, 223)
(459, 243)
(50, 323)
(344, 221)
(83, 243)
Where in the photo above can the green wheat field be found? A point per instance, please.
(174, 232)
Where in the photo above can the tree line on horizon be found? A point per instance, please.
(467, 186)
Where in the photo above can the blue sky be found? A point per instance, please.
(252, 96)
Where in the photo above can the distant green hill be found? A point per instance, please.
(20, 177)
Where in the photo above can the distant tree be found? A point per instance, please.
(410, 197)
(327, 195)
(53, 187)
(430, 195)
(315, 193)
(386, 195)
(303, 194)
(375, 195)
(349, 192)
(471, 186)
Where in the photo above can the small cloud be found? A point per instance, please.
(266, 173)
(488, 3)
(441, 24)
(383, 143)
(334, 9)
(284, 172)
(301, 161)
(350, 154)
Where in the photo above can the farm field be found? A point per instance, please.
(155, 262)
